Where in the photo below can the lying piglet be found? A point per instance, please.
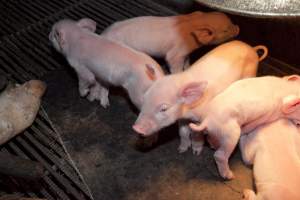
(173, 37)
(243, 106)
(273, 150)
(99, 61)
(18, 108)
(177, 96)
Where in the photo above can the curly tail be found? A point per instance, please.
(198, 127)
(264, 48)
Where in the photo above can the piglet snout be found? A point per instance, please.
(139, 129)
(142, 128)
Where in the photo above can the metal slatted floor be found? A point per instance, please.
(25, 53)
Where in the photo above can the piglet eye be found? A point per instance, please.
(163, 108)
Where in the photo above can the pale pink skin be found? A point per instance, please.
(274, 151)
(178, 96)
(173, 37)
(243, 106)
(99, 62)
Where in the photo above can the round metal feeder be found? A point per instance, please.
(256, 8)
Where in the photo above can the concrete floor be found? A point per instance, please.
(102, 144)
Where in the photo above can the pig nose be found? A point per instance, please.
(139, 129)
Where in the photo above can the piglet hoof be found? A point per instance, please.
(183, 148)
(228, 175)
(104, 102)
(248, 194)
(197, 150)
(84, 92)
(91, 97)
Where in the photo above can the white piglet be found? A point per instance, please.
(274, 151)
(100, 62)
(243, 106)
(173, 37)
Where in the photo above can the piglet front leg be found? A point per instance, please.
(197, 143)
(189, 139)
(177, 62)
(185, 137)
(99, 92)
(85, 79)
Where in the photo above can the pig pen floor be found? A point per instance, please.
(102, 144)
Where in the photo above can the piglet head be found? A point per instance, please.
(60, 32)
(66, 28)
(215, 28)
(163, 103)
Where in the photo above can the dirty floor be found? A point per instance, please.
(102, 144)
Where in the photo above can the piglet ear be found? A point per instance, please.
(192, 92)
(293, 77)
(290, 104)
(150, 71)
(203, 35)
(87, 24)
(60, 37)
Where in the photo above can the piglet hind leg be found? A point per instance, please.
(176, 62)
(229, 136)
(185, 137)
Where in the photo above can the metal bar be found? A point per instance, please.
(55, 160)
(19, 167)
(63, 181)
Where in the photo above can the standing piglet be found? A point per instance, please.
(19, 106)
(274, 151)
(243, 106)
(173, 37)
(177, 96)
(99, 61)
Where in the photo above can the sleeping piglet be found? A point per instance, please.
(19, 106)
(274, 151)
(177, 96)
(243, 106)
(173, 37)
(99, 61)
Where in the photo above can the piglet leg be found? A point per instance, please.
(98, 92)
(186, 63)
(85, 80)
(185, 137)
(176, 62)
(249, 195)
(230, 135)
(197, 143)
